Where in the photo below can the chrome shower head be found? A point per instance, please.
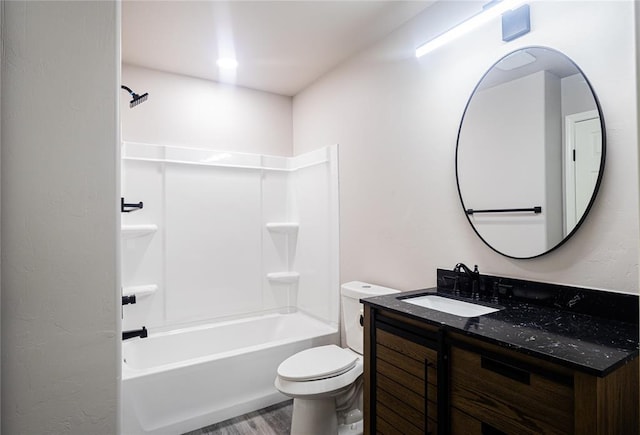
(136, 99)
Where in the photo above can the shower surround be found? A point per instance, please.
(223, 237)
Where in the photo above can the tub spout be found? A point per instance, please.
(142, 333)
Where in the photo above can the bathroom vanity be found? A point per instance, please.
(551, 360)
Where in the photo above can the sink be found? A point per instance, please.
(451, 306)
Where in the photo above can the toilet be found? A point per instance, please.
(326, 382)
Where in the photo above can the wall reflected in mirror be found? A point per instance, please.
(531, 138)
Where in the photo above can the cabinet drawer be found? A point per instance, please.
(509, 397)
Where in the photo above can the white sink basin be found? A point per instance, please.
(451, 306)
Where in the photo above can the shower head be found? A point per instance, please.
(136, 99)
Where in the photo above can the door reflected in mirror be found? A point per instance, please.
(530, 152)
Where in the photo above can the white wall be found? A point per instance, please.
(396, 119)
(576, 95)
(493, 127)
(186, 111)
(60, 360)
(553, 160)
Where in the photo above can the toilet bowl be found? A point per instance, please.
(326, 382)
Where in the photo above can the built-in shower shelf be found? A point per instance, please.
(283, 227)
(283, 277)
(140, 291)
(131, 231)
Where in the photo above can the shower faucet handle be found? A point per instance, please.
(128, 208)
(126, 300)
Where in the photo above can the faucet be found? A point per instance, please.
(474, 276)
(142, 333)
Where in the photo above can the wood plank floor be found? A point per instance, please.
(274, 420)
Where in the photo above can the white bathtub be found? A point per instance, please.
(177, 381)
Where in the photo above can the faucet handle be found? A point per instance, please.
(128, 299)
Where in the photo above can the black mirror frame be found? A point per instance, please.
(602, 158)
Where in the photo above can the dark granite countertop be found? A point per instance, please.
(591, 344)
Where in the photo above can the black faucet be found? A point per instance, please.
(142, 333)
(474, 277)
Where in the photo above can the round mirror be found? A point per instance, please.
(530, 152)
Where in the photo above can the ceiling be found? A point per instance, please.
(543, 59)
(281, 46)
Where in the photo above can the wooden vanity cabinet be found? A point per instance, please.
(417, 380)
(497, 391)
(400, 375)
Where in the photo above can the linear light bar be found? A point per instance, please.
(468, 25)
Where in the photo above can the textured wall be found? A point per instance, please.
(396, 119)
(189, 112)
(60, 361)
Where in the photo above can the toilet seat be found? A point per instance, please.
(323, 377)
(317, 363)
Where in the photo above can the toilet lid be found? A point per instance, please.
(317, 363)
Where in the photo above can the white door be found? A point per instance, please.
(583, 154)
(588, 152)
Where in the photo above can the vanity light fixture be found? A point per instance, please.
(490, 11)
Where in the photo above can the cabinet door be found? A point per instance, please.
(402, 381)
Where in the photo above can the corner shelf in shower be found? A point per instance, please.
(283, 277)
(283, 227)
(140, 291)
(132, 231)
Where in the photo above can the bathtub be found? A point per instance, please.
(181, 380)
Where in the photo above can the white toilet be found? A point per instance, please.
(326, 382)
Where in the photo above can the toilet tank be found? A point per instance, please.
(352, 309)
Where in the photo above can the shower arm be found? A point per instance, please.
(128, 89)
